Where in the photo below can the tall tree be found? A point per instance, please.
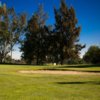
(67, 33)
(11, 26)
(34, 46)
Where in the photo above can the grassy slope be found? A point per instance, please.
(16, 86)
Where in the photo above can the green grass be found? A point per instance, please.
(17, 86)
(82, 68)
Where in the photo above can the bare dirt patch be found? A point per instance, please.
(58, 72)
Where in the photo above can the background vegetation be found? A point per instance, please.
(41, 43)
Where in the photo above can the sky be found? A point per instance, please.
(87, 13)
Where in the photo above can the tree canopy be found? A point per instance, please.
(61, 42)
(92, 55)
(67, 33)
(34, 46)
(11, 26)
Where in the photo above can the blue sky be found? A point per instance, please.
(87, 12)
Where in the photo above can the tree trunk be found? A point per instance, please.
(61, 62)
(61, 55)
(11, 53)
(37, 59)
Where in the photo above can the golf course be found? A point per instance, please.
(49, 49)
(19, 82)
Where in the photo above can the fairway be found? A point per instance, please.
(49, 50)
(35, 86)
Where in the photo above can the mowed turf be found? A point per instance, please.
(18, 86)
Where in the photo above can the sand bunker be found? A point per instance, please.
(58, 72)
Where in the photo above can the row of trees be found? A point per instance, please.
(52, 44)
(41, 43)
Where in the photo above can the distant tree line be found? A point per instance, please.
(42, 43)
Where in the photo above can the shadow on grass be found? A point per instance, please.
(21, 64)
(51, 69)
(60, 66)
(79, 66)
(76, 83)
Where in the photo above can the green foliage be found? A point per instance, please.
(75, 61)
(44, 44)
(41, 43)
(34, 47)
(67, 33)
(92, 55)
(10, 30)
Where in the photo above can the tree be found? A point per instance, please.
(10, 30)
(34, 46)
(67, 33)
(92, 55)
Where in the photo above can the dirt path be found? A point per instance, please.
(58, 72)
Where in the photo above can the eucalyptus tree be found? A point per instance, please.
(11, 27)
